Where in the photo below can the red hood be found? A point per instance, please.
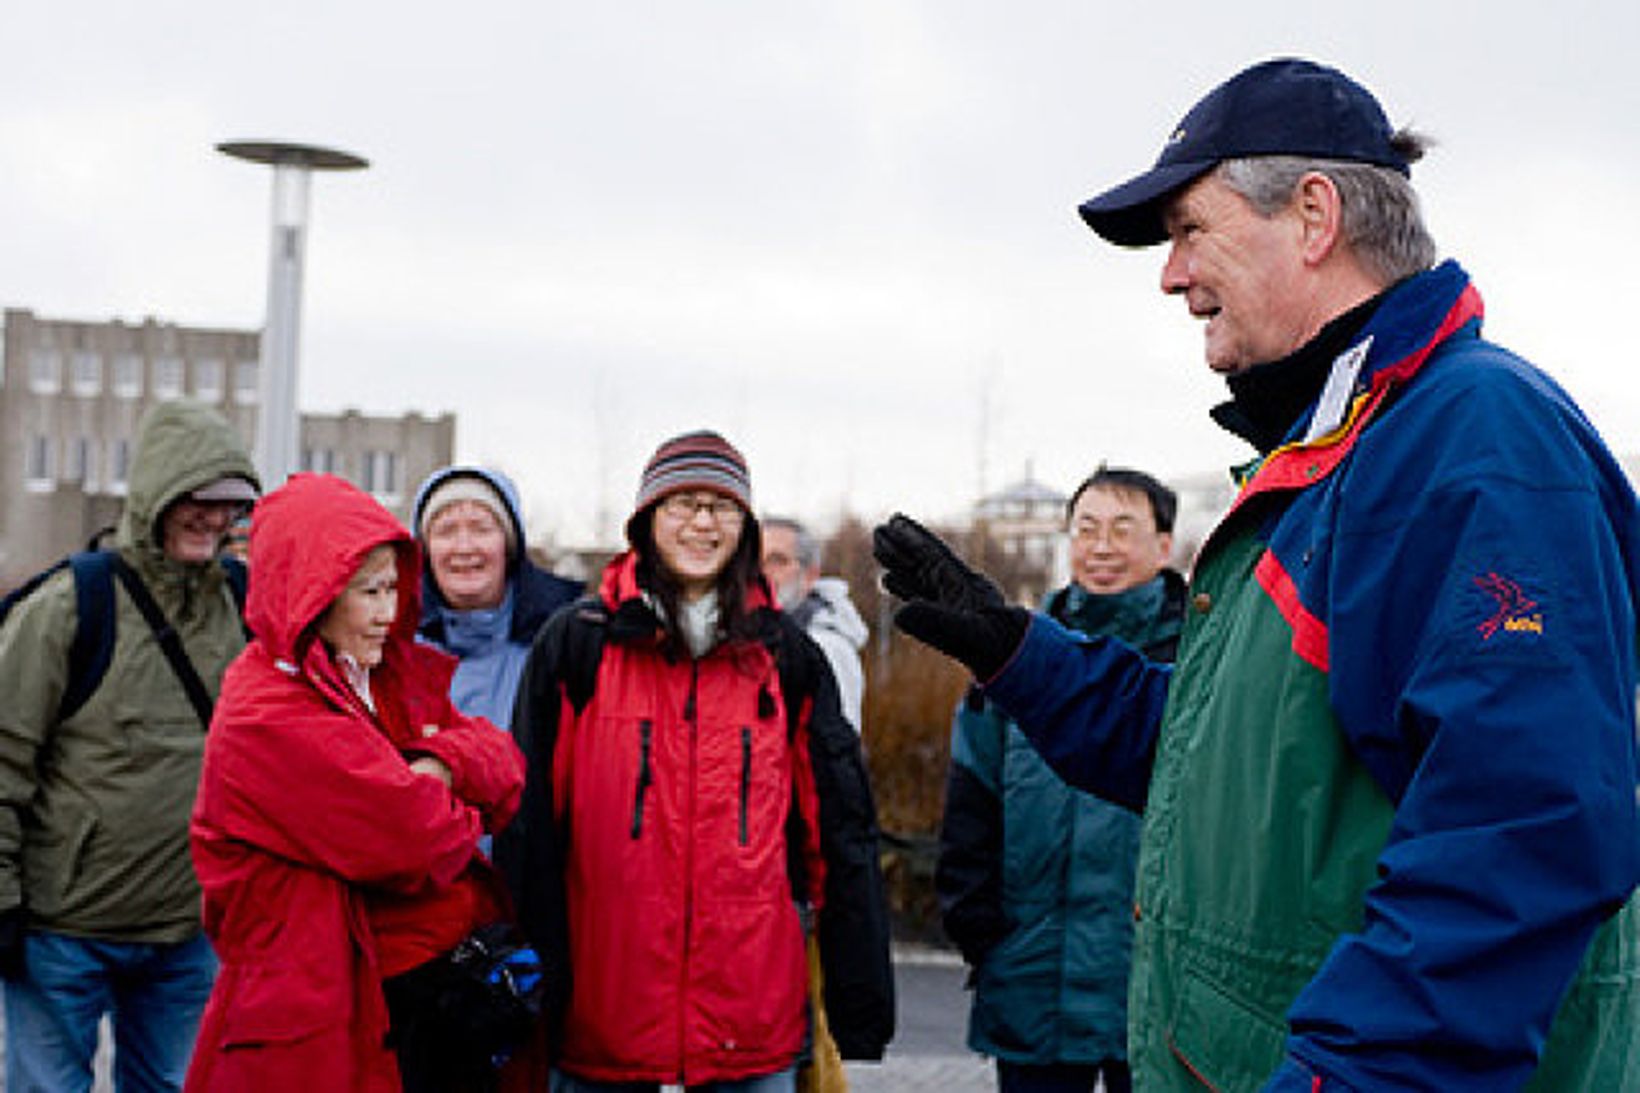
(308, 538)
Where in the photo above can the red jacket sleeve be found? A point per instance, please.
(287, 773)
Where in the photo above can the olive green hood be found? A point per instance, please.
(180, 447)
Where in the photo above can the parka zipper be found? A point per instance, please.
(745, 781)
(684, 1000)
(645, 775)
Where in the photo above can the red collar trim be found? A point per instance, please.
(1298, 466)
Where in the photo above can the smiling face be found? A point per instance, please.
(696, 533)
(357, 621)
(1240, 272)
(193, 531)
(1114, 542)
(467, 551)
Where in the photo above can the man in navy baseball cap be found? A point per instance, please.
(1388, 789)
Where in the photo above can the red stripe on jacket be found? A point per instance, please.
(1309, 632)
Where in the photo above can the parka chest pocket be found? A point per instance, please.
(745, 800)
(619, 789)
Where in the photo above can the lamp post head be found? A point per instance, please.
(277, 153)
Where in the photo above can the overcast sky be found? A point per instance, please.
(843, 233)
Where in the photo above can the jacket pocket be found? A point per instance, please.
(54, 861)
(1224, 1041)
(283, 1003)
(646, 732)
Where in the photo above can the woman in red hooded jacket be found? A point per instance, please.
(336, 823)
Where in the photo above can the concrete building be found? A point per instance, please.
(72, 393)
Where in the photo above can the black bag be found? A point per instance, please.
(462, 1015)
(495, 990)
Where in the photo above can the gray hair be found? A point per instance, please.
(808, 547)
(1382, 222)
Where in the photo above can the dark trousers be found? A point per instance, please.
(1063, 1077)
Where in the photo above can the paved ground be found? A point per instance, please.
(927, 1055)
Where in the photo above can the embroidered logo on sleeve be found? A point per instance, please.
(1516, 612)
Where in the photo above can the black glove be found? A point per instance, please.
(11, 943)
(948, 605)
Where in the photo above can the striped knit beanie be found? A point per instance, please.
(694, 461)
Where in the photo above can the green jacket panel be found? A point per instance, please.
(1255, 853)
(1261, 838)
(1595, 1041)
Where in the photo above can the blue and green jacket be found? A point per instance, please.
(1390, 786)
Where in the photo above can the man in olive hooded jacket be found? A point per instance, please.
(99, 908)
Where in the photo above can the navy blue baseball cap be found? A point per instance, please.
(1275, 108)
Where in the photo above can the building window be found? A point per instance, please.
(128, 375)
(38, 470)
(245, 380)
(381, 472)
(77, 460)
(45, 371)
(119, 465)
(85, 370)
(168, 377)
(208, 380)
(319, 460)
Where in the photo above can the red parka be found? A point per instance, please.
(316, 846)
(675, 788)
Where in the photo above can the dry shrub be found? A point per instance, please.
(911, 694)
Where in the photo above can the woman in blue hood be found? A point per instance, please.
(483, 599)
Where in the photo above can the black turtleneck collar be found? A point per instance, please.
(1267, 399)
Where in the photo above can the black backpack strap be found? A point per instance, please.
(169, 643)
(92, 649)
(799, 680)
(238, 575)
(578, 642)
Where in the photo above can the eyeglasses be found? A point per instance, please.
(684, 507)
(1118, 533)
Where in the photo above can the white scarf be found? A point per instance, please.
(697, 621)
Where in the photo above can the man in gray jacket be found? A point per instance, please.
(99, 908)
(820, 605)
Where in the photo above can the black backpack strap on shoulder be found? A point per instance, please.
(799, 680)
(169, 643)
(92, 650)
(238, 575)
(578, 640)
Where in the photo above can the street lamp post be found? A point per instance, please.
(276, 432)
